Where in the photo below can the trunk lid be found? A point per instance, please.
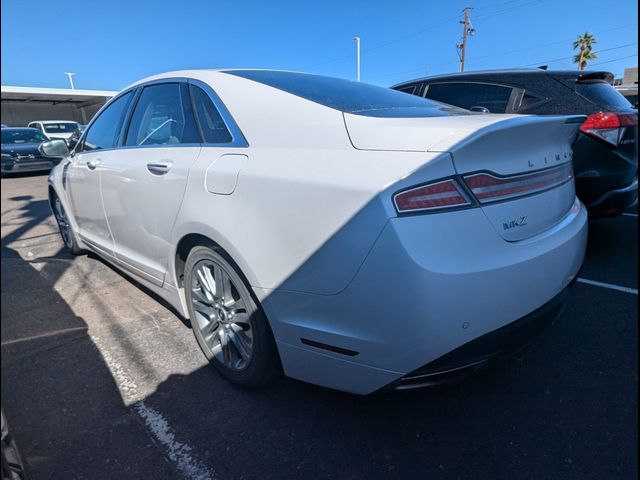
(523, 152)
(507, 154)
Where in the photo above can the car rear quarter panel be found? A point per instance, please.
(300, 219)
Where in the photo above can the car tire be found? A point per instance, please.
(65, 228)
(227, 320)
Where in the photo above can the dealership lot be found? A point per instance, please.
(99, 380)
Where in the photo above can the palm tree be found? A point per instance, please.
(585, 44)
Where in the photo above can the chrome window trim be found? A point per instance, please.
(238, 139)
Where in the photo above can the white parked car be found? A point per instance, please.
(56, 129)
(357, 236)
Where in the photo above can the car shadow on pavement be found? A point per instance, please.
(564, 408)
(540, 415)
(65, 409)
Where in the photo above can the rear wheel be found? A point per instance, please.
(227, 322)
(66, 231)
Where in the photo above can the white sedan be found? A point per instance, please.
(357, 237)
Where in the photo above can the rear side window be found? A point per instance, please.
(467, 95)
(163, 116)
(603, 94)
(410, 89)
(213, 128)
(104, 131)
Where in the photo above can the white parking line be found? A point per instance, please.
(630, 214)
(181, 454)
(611, 286)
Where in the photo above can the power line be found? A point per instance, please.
(484, 7)
(391, 42)
(419, 32)
(510, 9)
(421, 68)
(444, 22)
(615, 60)
(550, 44)
(543, 62)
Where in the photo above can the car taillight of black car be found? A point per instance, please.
(609, 126)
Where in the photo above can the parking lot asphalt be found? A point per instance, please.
(100, 380)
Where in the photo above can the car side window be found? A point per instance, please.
(213, 128)
(104, 131)
(163, 115)
(411, 89)
(467, 95)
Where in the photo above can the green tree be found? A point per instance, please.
(584, 44)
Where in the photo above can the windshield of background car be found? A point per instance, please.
(11, 136)
(603, 94)
(350, 97)
(60, 127)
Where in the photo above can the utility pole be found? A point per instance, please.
(357, 39)
(467, 31)
(70, 75)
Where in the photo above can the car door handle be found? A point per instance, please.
(159, 168)
(93, 164)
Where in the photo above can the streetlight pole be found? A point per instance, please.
(357, 39)
(70, 75)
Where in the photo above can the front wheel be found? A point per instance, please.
(227, 322)
(66, 231)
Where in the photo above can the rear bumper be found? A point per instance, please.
(605, 175)
(429, 285)
(614, 202)
(484, 350)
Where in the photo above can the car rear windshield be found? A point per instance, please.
(603, 94)
(350, 97)
(14, 136)
(60, 127)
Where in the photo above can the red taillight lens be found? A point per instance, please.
(445, 194)
(489, 188)
(607, 125)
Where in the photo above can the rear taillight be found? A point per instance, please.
(444, 194)
(608, 126)
(490, 188)
(481, 188)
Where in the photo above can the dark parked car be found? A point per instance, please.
(605, 152)
(20, 151)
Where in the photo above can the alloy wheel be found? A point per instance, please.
(221, 315)
(63, 223)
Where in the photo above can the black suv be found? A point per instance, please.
(606, 151)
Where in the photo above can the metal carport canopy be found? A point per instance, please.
(21, 105)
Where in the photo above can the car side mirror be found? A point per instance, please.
(480, 109)
(54, 148)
